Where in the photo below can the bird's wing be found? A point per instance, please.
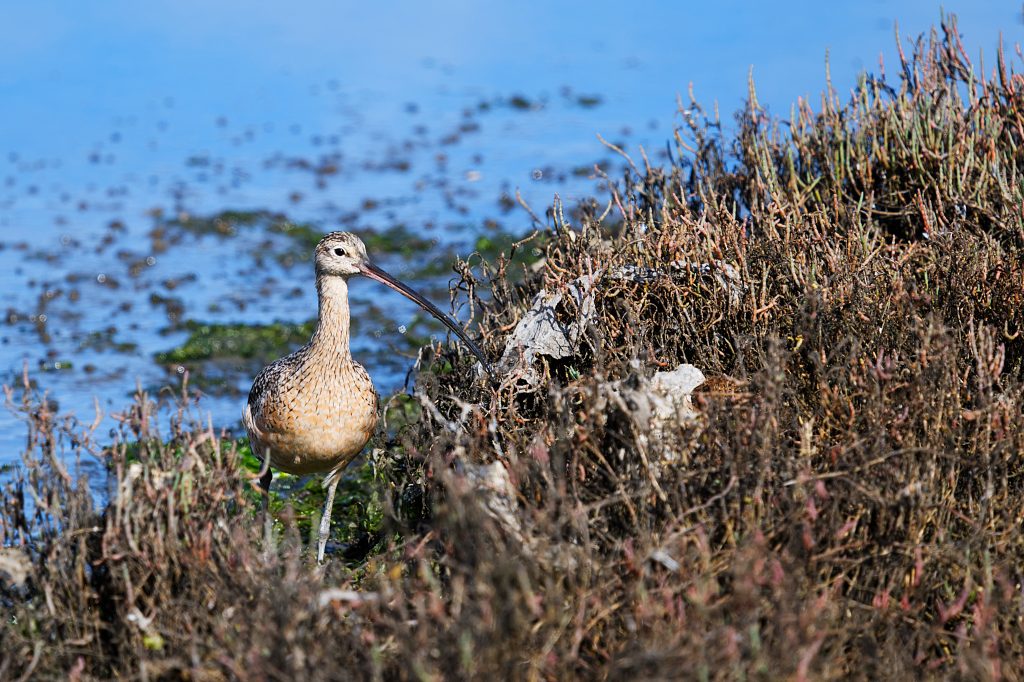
(255, 432)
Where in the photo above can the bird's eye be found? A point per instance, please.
(340, 252)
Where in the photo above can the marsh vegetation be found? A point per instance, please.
(854, 511)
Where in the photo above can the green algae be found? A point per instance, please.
(104, 339)
(398, 239)
(227, 223)
(218, 341)
(400, 411)
(224, 223)
(358, 511)
(304, 235)
(55, 366)
(520, 252)
(520, 102)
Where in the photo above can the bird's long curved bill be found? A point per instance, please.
(375, 273)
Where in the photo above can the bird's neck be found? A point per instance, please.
(332, 336)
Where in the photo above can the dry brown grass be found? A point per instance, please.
(857, 513)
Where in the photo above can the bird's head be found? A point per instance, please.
(341, 254)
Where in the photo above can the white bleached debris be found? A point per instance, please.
(498, 493)
(540, 332)
(665, 397)
(662, 557)
(657, 406)
(337, 594)
(672, 393)
(15, 566)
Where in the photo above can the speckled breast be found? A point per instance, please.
(317, 418)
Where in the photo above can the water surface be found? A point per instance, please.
(125, 122)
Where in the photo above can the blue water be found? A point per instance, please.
(112, 111)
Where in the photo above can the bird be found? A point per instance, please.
(313, 411)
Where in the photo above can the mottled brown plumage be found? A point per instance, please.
(313, 411)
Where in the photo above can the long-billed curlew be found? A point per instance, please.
(314, 410)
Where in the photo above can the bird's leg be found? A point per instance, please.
(325, 517)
